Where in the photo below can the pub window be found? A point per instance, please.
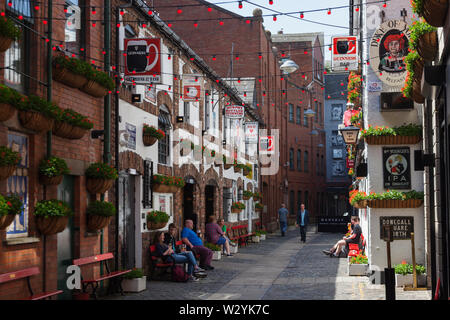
(164, 144)
(299, 160)
(207, 113)
(291, 159)
(305, 162)
(299, 199)
(305, 118)
(292, 202)
(316, 116)
(291, 113)
(74, 27)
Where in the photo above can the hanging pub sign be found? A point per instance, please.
(234, 112)
(350, 163)
(396, 168)
(251, 132)
(388, 49)
(344, 55)
(267, 145)
(143, 60)
(401, 227)
(192, 85)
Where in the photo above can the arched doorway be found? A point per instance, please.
(188, 201)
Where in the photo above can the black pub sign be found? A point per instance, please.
(401, 227)
(396, 168)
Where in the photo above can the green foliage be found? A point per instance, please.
(154, 132)
(8, 157)
(212, 246)
(52, 208)
(102, 78)
(76, 119)
(169, 180)
(9, 96)
(247, 193)
(14, 204)
(35, 103)
(259, 205)
(238, 205)
(406, 268)
(417, 30)
(396, 195)
(53, 167)
(101, 170)
(404, 130)
(4, 208)
(417, 6)
(101, 208)
(9, 29)
(156, 216)
(359, 259)
(133, 274)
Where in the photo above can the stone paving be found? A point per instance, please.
(279, 268)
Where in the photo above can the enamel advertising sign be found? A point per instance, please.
(344, 56)
(143, 60)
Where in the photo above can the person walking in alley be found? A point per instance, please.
(194, 243)
(302, 222)
(282, 219)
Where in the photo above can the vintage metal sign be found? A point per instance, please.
(267, 145)
(192, 85)
(234, 112)
(251, 132)
(401, 227)
(396, 168)
(143, 60)
(344, 55)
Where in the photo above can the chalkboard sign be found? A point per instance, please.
(332, 224)
(401, 227)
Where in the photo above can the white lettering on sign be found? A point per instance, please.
(234, 112)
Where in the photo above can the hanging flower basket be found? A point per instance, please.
(395, 204)
(6, 171)
(50, 181)
(386, 140)
(161, 188)
(97, 222)
(235, 210)
(227, 166)
(35, 121)
(148, 140)
(237, 169)
(417, 91)
(67, 77)
(258, 209)
(427, 46)
(435, 12)
(94, 89)
(9, 32)
(245, 172)
(360, 204)
(51, 225)
(7, 111)
(99, 185)
(5, 43)
(6, 220)
(155, 225)
(68, 131)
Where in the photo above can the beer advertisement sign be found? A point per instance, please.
(344, 55)
(143, 60)
(396, 168)
(192, 87)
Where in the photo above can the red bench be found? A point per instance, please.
(115, 276)
(241, 234)
(28, 273)
(354, 248)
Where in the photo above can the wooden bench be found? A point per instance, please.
(115, 276)
(28, 273)
(245, 234)
(233, 234)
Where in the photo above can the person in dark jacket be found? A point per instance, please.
(355, 237)
(302, 222)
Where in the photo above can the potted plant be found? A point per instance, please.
(98, 84)
(262, 234)
(358, 199)
(424, 39)
(100, 177)
(257, 196)
(237, 207)
(358, 266)
(433, 11)
(259, 206)
(134, 281)
(9, 32)
(167, 184)
(52, 216)
(8, 101)
(405, 134)
(395, 199)
(157, 219)
(52, 170)
(10, 206)
(8, 162)
(70, 71)
(404, 274)
(246, 195)
(37, 114)
(150, 135)
(71, 125)
(99, 214)
(217, 251)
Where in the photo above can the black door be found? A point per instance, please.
(209, 202)
(188, 204)
(127, 226)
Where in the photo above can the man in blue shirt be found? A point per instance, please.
(302, 222)
(282, 219)
(194, 243)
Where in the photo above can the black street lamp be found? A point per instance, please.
(350, 134)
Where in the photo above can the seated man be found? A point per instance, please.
(355, 237)
(215, 235)
(194, 243)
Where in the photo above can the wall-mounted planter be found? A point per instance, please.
(6, 220)
(134, 285)
(395, 204)
(155, 225)
(386, 140)
(8, 111)
(50, 181)
(427, 46)
(51, 225)
(237, 169)
(97, 222)
(148, 140)
(235, 210)
(6, 171)
(417, 91)
(360, 204)
(94, 89)
(68, 131)
(355, 269)
(98, 185)
(68, 78)
(5, 43)
(35, 121)
(435, 12)
(162, 188)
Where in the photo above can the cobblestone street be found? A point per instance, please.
(276, 269)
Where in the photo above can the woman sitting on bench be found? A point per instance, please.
(355, 237)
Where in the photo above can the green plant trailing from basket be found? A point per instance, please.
(8, 157)
(156, 216)
(101, 208)
(4, 208)
(15, 204)
(9, 96)
(259, 205)
(154, 132)
(238, 205)
(53, 167)
(396, 195)
(35, 103)
(102, 78)
(134, 274)
(417, 30)
(406, 268)
(212, 246)
(417, 6)
(404, 130)
(101, 170)
(52, 208)
(409, 130)
(168, 180)
(9, 29)
(257, 195)
(75, 119)
(247, 193)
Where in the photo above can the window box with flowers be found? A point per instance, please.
(424, 39)
(395, 199)
(404, 274)
(100, 177)
(150, 135)
(433, 11)
(52, 170)
(10, 206)
(405, 134)
(8, 162)
(157, 220)
(9, 32)
(167, 184)
(358, 199)
(99, 214)
(358, 266)
(134, 281)
(237, 207)
(37, 114)
(52, 216)
(72, 125)
(8, 101)
(246, 195)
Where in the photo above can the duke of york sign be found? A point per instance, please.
(388, 49)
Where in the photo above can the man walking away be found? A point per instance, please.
(302, 222)
(282, 219)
